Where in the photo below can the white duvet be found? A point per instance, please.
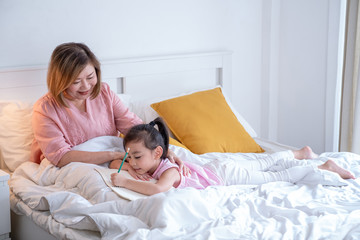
(74, 203)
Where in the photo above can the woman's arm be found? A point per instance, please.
(169, 178)
(89, 157)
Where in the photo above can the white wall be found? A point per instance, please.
(30, 30)
(280, 48)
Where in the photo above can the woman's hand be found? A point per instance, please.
(175, 159)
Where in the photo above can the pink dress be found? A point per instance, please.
(57, 129)
(200, 178)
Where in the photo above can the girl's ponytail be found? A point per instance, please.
(164, 133)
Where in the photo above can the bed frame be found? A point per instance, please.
(144, 77)
(162, 75)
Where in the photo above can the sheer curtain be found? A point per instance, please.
(350, 113)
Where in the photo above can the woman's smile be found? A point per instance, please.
(84, 93)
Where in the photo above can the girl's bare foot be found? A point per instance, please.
(330, 165)
(304, 153)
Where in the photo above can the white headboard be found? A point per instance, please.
(142, 78)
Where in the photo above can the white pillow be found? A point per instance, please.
(15, 133)
(143, 110)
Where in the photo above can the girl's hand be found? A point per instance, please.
(175, 159)
(115, 164)
(118, 180)
(134, 174)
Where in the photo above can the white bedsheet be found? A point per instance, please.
(74, 203)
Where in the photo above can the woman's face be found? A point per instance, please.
(83, 85)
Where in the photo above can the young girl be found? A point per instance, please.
(148, 150)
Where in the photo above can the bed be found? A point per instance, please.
(74, 202)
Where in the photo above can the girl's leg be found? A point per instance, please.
(323, 164)
(265, 162)
(331, 166)
(233, 174)
(260, 162)
(291, 175)
(304, 153)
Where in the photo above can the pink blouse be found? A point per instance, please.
(57, 129)
(200, 178)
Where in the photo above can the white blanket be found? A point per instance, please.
(73, 202)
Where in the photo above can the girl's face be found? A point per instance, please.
(83, 85)
(142, 159)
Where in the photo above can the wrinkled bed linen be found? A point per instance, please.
(73, 202)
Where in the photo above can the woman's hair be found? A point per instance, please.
(66, 63)
(150, 136)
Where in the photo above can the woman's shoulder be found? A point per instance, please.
(44, 100)
(45, 104)
(105, 88)
(107, 94)
(105, 91)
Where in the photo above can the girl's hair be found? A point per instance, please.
(150, 135)
(66, 63)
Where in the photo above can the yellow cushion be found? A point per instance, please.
(204, 122)
(175, 142)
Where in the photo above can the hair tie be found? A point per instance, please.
(152, 123)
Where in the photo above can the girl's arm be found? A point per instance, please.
(115, 164)
(169, 178)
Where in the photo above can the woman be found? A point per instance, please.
(77, 107)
